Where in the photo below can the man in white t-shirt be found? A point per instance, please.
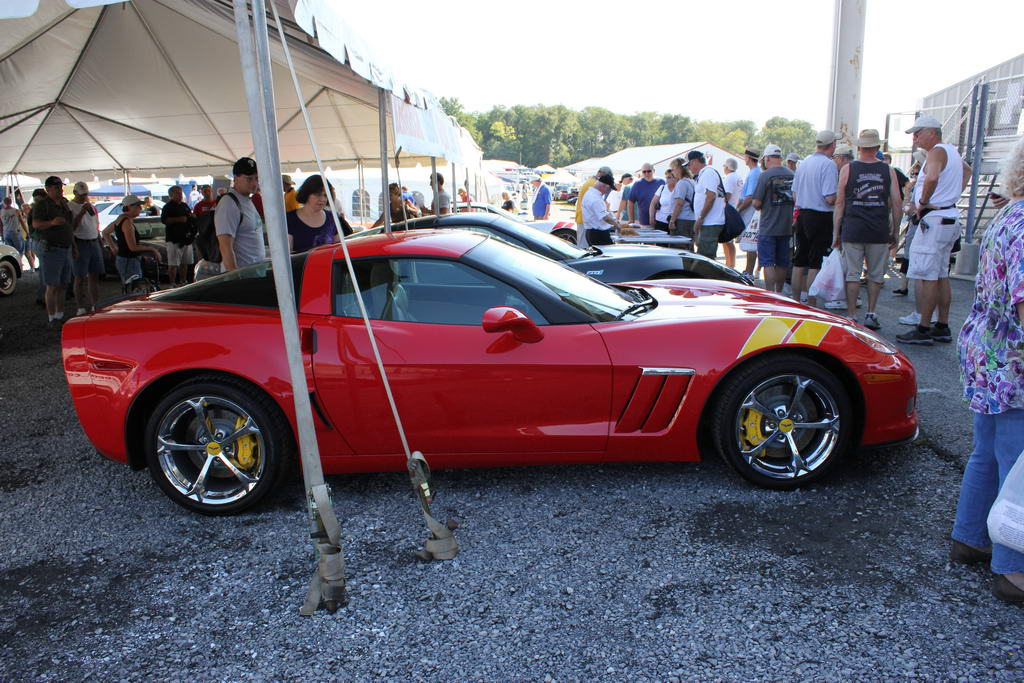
(86, 253)
(598, 221)
(733, 183)
(708, 204)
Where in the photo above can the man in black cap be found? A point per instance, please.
(52, 217)
(239, 228)
(597, 219)
(708, 204)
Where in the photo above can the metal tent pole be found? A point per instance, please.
(382, 121)
(972, 122)
(328, 585)
(362, 191)
(976, 159)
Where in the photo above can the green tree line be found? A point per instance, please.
(540, 134)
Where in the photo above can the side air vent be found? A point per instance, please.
(655, 400)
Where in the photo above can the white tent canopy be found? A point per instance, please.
(151, 85)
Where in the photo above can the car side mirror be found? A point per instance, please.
(508, 319)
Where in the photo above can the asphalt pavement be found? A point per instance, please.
(640, 572)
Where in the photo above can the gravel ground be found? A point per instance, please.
(626, 572)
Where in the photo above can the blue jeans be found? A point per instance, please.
(998, 440)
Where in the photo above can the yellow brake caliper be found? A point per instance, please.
(245, 448)
(753, 432)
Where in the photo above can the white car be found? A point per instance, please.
(109, 209)
(563, 229)
(10, 269)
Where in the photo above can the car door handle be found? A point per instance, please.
(309, 341)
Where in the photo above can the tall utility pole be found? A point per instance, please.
(847, 66)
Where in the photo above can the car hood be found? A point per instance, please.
(719, 299)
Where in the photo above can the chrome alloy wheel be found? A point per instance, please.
(210, 450)
(787, 426)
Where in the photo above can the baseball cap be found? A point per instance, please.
(626, 175)
(604, 170)
(81, 188)
(608, 179)
(752, 152)
(695, 155)
(53, 180)
(843, 151)
(772, 151)
(826, 137)
(244, 166)
(793, 156)
(130, 199)
(922, 122)
(287, 179)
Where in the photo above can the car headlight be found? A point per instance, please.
(873, 340)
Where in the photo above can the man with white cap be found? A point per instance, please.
(814, 192)
(587, 184)
(867, 214)
(773, 197)
(597, 219)
(939, 185)
(87, 252)
(792, 161)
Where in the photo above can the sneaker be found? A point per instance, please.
(835, 304)
(942, 333)
(871, 322)
(81, 311)
(913, 319)
(803, 297)
(916, 336)
(900, 292)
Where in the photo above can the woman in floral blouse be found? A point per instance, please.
(991, 350)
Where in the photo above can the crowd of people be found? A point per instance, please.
(851, 199)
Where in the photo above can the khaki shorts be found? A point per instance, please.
(854, 255)
(933, 243)
(177, 256)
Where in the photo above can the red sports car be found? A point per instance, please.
(496, 356)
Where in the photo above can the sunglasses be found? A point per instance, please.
(650, 170)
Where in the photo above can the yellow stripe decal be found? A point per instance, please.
(769, 332)
(810, 333)
(776, 331)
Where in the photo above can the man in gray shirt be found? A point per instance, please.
(773, 197)
(239, 228)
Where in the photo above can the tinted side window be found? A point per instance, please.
(249, 286)
(425, 291)
(505, 237)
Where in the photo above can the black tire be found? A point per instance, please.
(239, 472)
(565, 234)
(759, 444)
(8, 278)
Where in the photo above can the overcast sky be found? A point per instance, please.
(742, 59)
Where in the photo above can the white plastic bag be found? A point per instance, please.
(830, 283)
(748, 238)
(1006, 518)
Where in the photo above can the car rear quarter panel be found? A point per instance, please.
(112, 357)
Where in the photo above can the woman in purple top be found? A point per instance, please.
(311, 224)
(991, 350)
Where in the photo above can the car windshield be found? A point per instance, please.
(596, 299)
(513, 226)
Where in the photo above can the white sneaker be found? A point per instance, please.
(81, 311)
(835, 304)
(803, 297)
(915, 318)
(911, 319)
